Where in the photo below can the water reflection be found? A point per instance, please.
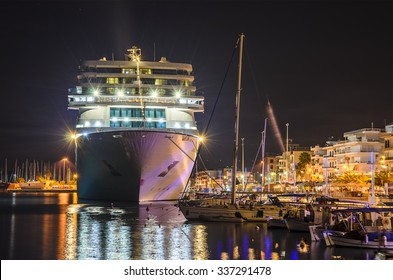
(56, 227)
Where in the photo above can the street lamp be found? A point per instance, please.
(75, 137)
(372, 191)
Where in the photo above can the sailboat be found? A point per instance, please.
(234, 211)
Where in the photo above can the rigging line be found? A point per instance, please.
(208, 173)
(249, 62)
(179, 148)
(221, 87)
(255, 159)
(214, 106)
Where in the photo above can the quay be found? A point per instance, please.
(31, 187)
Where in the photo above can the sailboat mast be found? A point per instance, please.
(236, 144)
(263, 154)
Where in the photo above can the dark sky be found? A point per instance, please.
(325, 66)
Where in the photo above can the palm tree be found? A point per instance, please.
(304, 160)
(383, 177)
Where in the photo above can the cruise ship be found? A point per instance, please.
(136, 135)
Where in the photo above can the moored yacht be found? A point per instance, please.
(136, 135)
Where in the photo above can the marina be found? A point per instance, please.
(114, 154)
(59, 226)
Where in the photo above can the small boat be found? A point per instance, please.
(302, 217)
(296, 224)
(373, 240)
(384, 255)
(373, 229)
(276, 223)
(320, 232)
(250, 214)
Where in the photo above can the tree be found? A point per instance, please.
(383, 177)
(304, 159)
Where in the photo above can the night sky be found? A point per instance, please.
(325, 66)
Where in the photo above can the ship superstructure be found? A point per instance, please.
(137, 137)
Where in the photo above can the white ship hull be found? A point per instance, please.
(134, 165)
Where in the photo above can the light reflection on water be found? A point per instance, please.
(97, 232)
(56, 227)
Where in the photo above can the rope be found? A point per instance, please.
(211, 115)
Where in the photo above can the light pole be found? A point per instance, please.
(325, 166)
(75, 137)
(372, 192)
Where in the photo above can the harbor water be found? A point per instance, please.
(56, 226)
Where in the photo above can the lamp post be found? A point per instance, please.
(75, 138)
(372, 192)
(325, 166)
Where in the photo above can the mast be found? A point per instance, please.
(243, 173)
(135, 55)
(236, 144)
(263, 155)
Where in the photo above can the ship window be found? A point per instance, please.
(112, 80)
(148, 81)
(160, 113)
(161, 125)
(136, 124)
(149, 113)
(136, 113)
(155, 113)
(160, 82)
(125, 112)
(115, 112)
(114, 124)
(149, 124)
(126, 124)
(128, 71)
(145, 71)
